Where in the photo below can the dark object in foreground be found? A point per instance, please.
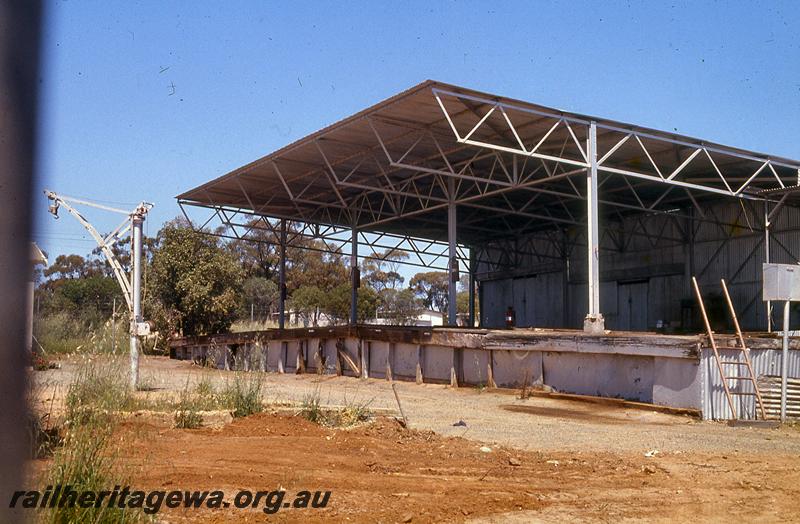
(397, 398)
(764, 424)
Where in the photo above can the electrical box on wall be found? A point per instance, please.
(782, 282)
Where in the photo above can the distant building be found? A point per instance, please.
(427, 317)
(430, 318)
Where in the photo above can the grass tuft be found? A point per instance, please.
(85, 461)
(187, 414)
(100, 387)
(205, 387)
(350, 414)
(242, 393)
(311, 408)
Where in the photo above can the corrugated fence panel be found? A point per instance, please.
(770, 387)
(766, 362)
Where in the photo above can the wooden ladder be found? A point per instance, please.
(746, 364)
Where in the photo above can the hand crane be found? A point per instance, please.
(131, 291)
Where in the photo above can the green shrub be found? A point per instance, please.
(350, 414)
(311, 408)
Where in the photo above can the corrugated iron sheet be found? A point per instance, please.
(770, 387)
(766, 363)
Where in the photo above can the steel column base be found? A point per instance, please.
(594, 324)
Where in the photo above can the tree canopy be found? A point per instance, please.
(431, 287)
(197, 283)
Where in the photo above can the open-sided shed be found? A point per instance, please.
(569, 218)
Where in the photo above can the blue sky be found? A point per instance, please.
(143, 100)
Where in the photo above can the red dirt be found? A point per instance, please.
(383, 473)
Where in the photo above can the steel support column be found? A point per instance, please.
(766, 260)
(472, 267)
(688, 260)
(354, 277)
(785, 357)
(282, 278)
(452, 289)
(136, 299)
(594, 322)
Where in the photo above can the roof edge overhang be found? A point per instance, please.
(437, 85)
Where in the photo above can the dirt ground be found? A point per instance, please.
(548, 460)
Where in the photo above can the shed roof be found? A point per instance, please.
(511, 166)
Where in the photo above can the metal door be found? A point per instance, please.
(632, 306)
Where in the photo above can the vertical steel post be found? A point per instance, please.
(29, 311)
(354, 276)
(452, 289)
(565, 253)
(282, 278)
(784, 359)
(114, 326)
(472, 267)
(766, 260)
(594, 322)
(136, 290)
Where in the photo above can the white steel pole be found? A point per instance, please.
(451, 240)
(594, 319)
(282, 279)
(784, 359)
(472, 267)
(114, 326)
(766, 259)
(354, 276)
(136, 314)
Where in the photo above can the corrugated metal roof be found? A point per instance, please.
(297, 181)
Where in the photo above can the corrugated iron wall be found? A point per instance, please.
(550, 292)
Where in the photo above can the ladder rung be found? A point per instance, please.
(739, 378)
(743, 393)
(733, 362)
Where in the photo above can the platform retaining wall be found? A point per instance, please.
(674, 371)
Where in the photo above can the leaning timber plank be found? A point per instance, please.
(281, 354)
(490, 383)
(341, 349)
(420, 358)
(389, 362)
(454, 367)
(350, 362)
(300, 365)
